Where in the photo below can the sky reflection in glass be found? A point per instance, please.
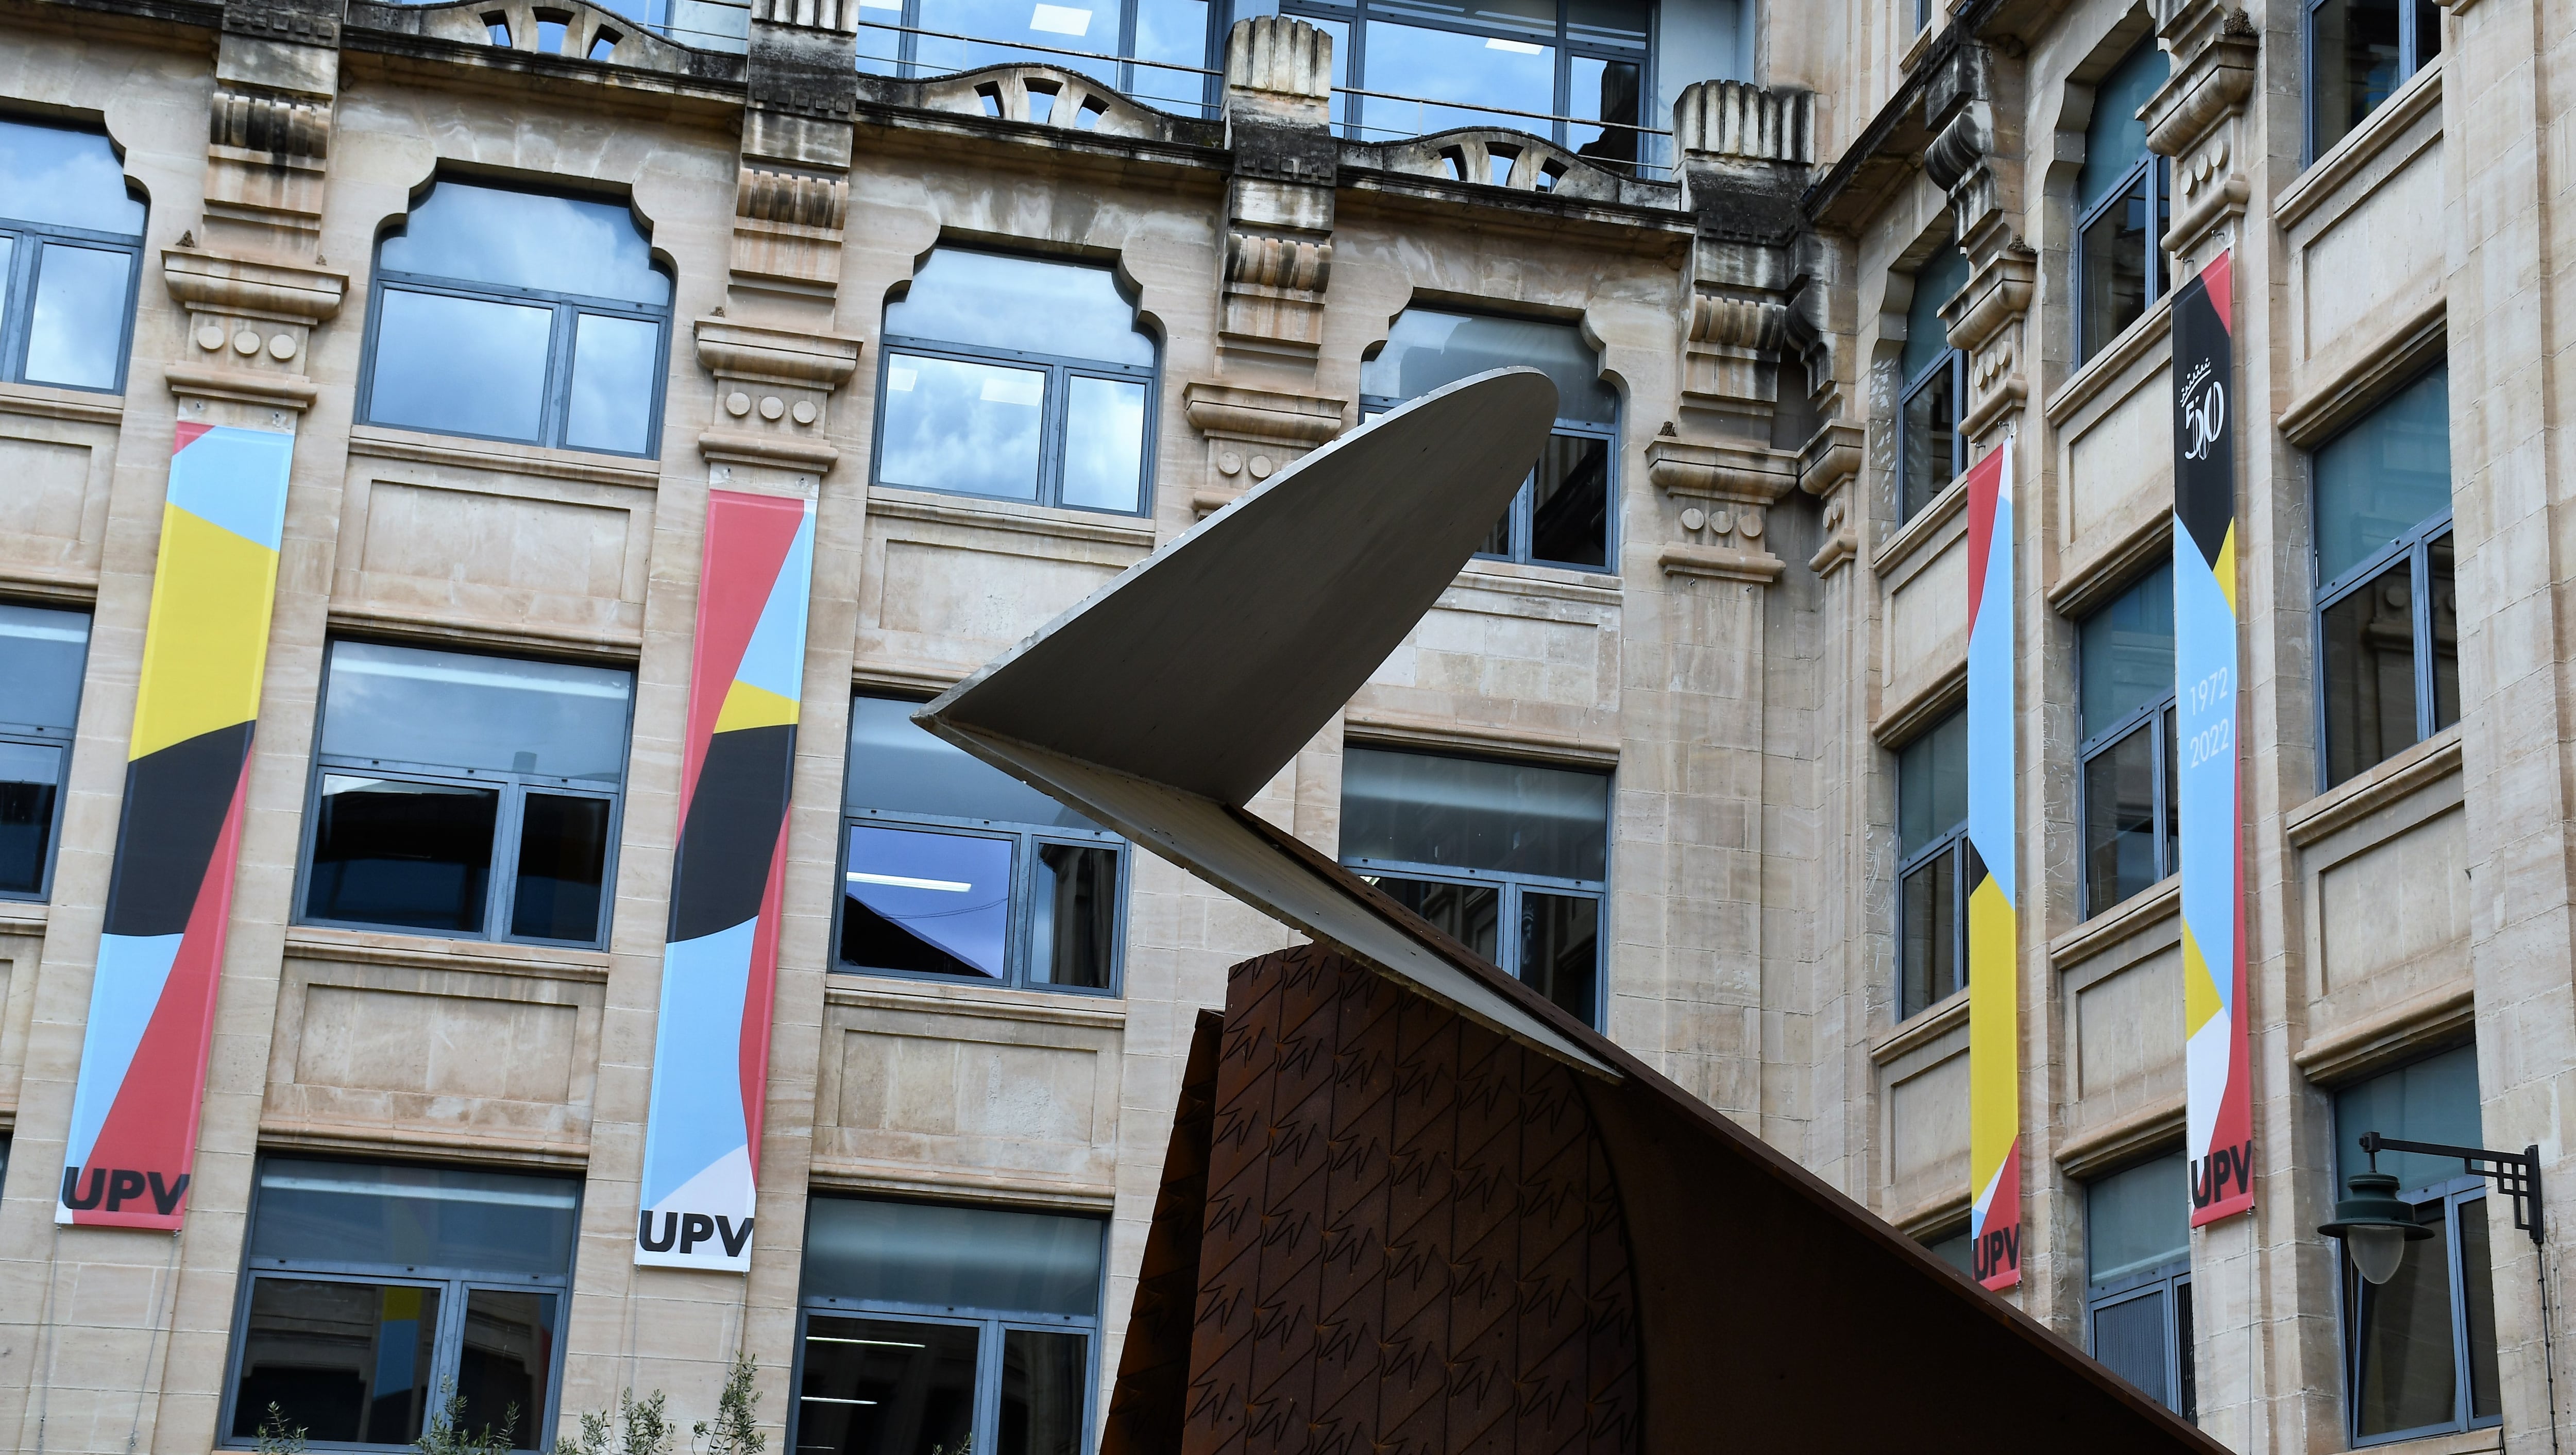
(460, 365)
(612, 384)
(527, 240)
(954, 425)
(77, 335)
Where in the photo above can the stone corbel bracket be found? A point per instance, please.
(1830, 461)
(1989, 320)
(250, 325)
(1723, 493)
(791, 206)
(1279, 203)
(773, 391)
(2195, 118)
(266, 155)
(1729, 351)
(1251, 433)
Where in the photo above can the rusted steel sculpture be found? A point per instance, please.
(1410, 1206)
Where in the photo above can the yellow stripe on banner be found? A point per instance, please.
(2225, 569)
(2200, 1001)
(208, 635)
(1994, 1033)
(746, 706)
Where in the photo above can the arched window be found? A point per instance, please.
(519, 316)
(1931, 450)
(1562, 517)
(2120, 205)
(1017, 379)
(71, 238)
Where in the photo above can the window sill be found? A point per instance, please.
(1928, 1025)
(24, 916)
(376, 442)
(2359, 147)
(2155, 1127)
(859, 989)
(2095, 374)
(1928, 523)
(2157, 901)
(1037, 520)
(2464, 1442)
(1522, 578)
(2366, 793)
(426, 952)
(44, 401)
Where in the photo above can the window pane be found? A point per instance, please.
(2137, 1219)
(1446, 65)
(2444, 588)
(2173, 792)
(349, 1363)
(1044, 1375)
(2477, 1306)
(506, 1362)
(939, 903)
(1954, 1250)
(1932, 783)
(2188, 1403)
(30, 776)
(1936, 282)
(2356, 64)
(2129, 1338)
(1074, 25)
(1931, 934)
(1604, 90)
(2384, 476)
(8, 261)
(2433, 1100)
(41, 656)
(2125, 653)
(563, 862)
(1931, 440)
(460, 710)
(528, 240)
(952, 425)
(2116, 139)
(430, 1217)
(416, 855)
(1175, 31)
(76, 333)
(1561, 950)
(1073, 916)
(2369, 674)
(2404, 1372)
(1104, 443)
(1498, 541)
(896, 766)
(2120, 819)
(880, 1387)
(65, 176)
(952, 1257)
(1030, 304)
(1465, 813)
(460, 365)
(1570, 503)
(613, 364)
(1471, 914)
(2115, 267)
(1426, 349)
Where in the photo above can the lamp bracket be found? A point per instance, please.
(2516, 1174)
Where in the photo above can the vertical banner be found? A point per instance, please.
(720, 962)
(151, 1005)
(1994, 962)
(2219, 1114)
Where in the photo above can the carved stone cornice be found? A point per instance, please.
(1262, 416)
(1988, 319)
(241, 288)
(1279, 203)
(773, 393)
(792, 358)
(2195, 118)
(1742, 473)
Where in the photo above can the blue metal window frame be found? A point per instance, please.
(2170, 1281)
(2158, 173)
(907, 65)
(18, 294)
(1509, 911)
(1953, 837)
(1353, 40)
(2458, 1196)
(1521, 512)
(1952, 365)
(567, 309)
(1061, 370)
(513, 789)
(447, 1345)
(2410, 59)
(58, 738)
(2102, 740)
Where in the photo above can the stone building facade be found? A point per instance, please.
(1684, 737)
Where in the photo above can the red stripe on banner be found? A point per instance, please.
(1998, 1253)
(185, 434)
(756, 998)
(748, 537)
(1985, 486)
(2220, 276)
(151, 1129)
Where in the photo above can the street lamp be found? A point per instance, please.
(2376, 1226)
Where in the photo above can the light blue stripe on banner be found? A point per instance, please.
(132, 969)
(236, 479)
(697, 1113)
(1990, 710)
(2205, 712)
(774, 659)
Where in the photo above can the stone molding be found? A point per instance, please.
(241, 288)
(1533, 163)
(1737, 119)
(837, 17)
(2194, 119)
(1075, 102)
(1280, 56)
(773, 393)
(1717, 563)
(250, 326)
(1747, 474)
(1280, 199)
(1262, 416)
(1832, 459)
(1988, 319)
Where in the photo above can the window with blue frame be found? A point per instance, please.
(2420, 1349)
(1563, 514)
(953, 869)
(2120, 204)
(513, 315)
(1155, 51)
(983, 391)
(1931, 866)
(1573, 71)
(42, 653)
(2388, 627)
(466, 795)
(1509, 859)
(2137, 1279)
(1933, 380)
(368, 1288)
(2124, 656)
(2359, 53)
(71, 249)
(924, 1328)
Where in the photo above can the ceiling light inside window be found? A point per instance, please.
(1060, 20)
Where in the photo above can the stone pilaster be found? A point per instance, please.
(1745, 154)
(1279, 202)
(1975, 157)
(2198, 119)
(1251, 433)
